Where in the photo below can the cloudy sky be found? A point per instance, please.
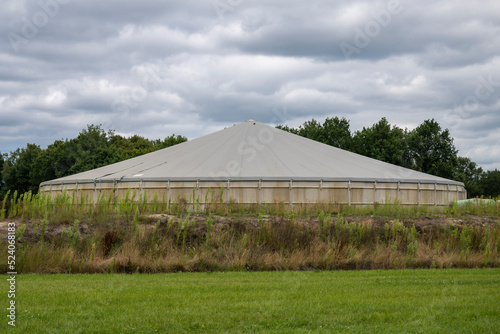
(190, 67)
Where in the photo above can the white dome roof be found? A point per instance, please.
(252, 151)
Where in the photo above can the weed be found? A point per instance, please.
(155, 229)
(466, 237)
(180, 228)
(3, 211)
(412, 244)
(267, 236)
(244, 241)
(386, 232)
(13, 205)
(155, 207)
(20, 231)
(135, 223)
(487, 255)
(210, 222)
(92, 253)
(74, 234)
(186, 224)
(70, 262)
(45, 222)
(170, 224)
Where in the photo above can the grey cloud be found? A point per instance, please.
(254, 60)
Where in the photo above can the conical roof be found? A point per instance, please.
(251, 151)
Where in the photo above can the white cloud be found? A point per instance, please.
(180, 68)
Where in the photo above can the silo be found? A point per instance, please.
(253, 163)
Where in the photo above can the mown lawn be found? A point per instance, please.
(394, 301)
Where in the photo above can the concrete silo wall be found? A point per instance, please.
(343, 192)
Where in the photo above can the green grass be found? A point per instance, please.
(66, 207)
(405, 301)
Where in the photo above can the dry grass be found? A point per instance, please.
(70, 235)
(197, 242)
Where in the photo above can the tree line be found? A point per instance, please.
(428, 148)
(24, 169)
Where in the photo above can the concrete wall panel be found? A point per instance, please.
(247, 192)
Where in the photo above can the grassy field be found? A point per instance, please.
(394, 301)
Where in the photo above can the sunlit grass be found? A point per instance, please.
(409, 301)
(66, 207)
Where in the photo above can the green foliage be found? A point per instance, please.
(3, 210)
(412, 244)
(428, 149)
(154, 236)
(186, 225)
(470, 174)
(92, 253)
(13, 206)
(168, 141)
(20, 231)
(70, 262)
(194, 241)
(334, 131)
(74, 234)
(24, 169)
(432, 150)
(210, 222)
(490, 183)
(383, 143)
(17, 168)
(466, 238)
(52, 163)
(43, 228)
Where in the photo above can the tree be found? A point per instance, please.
(51, 163)
(24, 169)
(382, 142)
(287, 129)
(89, 150)
(17, 167)
(168, 141)
(126, 148)
(313, 130)
(334, 131)
(490, 183)
(432, 150)
(469, 174)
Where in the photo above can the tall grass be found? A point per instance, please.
(65, 207)
(201, 243)
(68, 233)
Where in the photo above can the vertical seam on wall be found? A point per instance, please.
(349, 193)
